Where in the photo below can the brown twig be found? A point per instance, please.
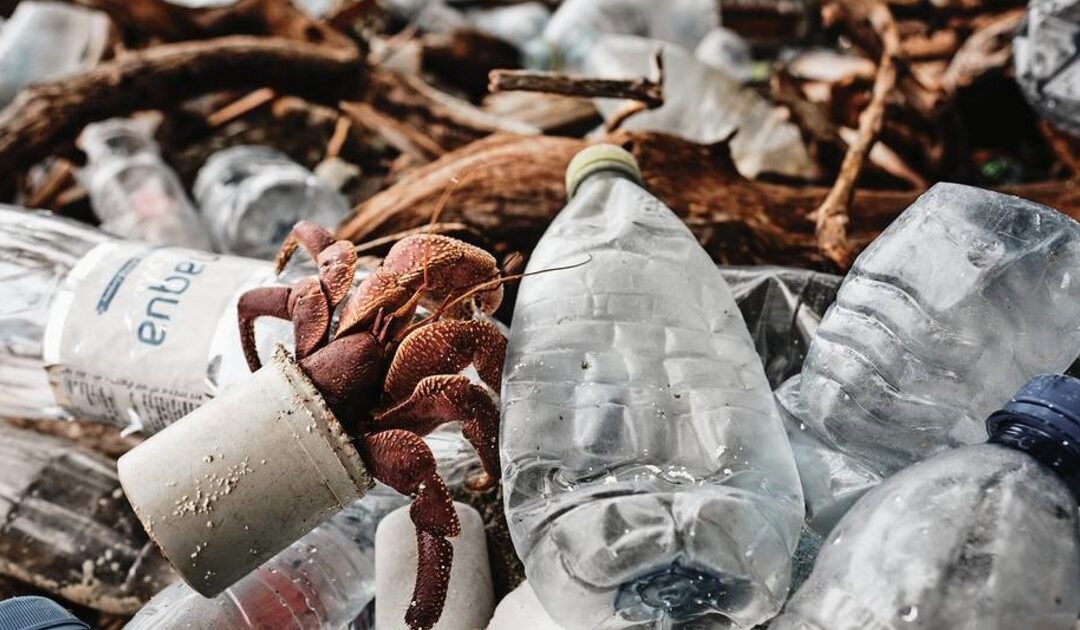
(162, 76)
(59, 176)
(649, 91)
(833, 214)
(399, 134)
(240, 107)
(337, 140)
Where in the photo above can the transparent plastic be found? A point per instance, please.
(979, 538)
(251, 197)
(705, 105)
(647, 477)
(579, 24)
(134, 193)
(324, 581)
(963, 298)
(728, 52)
(47, 40)
(1047, 60)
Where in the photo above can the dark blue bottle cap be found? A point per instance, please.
(1043, 420)
(37, 613)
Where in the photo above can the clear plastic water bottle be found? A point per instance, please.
(646, 473)
(703, 104)
(324, 581)
(1045, 54)
(579, 24)
(165, 317)
(47, 40)
(963, 298)
(983, 536)
(134, 193)
(251, 197)
(728, 52)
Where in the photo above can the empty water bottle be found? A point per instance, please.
(963, 298)
(579, 24)
(647, 475)
(983, 536)
(705, 105)
(134, 193)
(165, 317)
(726, 51)
(324, 581)
(252, 196)
(1047, 60)
(47, 40)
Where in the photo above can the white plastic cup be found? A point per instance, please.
(244, 476)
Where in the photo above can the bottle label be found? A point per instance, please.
(129, 335)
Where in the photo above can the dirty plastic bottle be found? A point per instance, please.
(48, 40)
(647, 477)
(1045, 55)
(579, 24)
(324, 581)
(963, 298)
(983, 536)
(134, 193)
(165, 317)
(704, 104)
(251, 196)
(66, 527)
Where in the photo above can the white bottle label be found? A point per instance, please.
(130, 332)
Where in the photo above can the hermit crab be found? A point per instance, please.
(392, 380)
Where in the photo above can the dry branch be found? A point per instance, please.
(161, 77)
(647, 91)
(833, 215)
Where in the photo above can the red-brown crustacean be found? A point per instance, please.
(391, 381)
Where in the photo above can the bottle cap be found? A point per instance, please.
(600, 157)
(37, 613)
(1047, 402)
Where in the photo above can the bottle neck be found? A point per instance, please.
(1059, 455)
(603, 177)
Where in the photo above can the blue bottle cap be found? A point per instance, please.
(37, 613)
(1048, 402)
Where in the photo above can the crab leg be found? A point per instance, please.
(336, 259)
(402, 460)
(304, 304)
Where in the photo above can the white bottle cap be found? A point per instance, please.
(600, 157)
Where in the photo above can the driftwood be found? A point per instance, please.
(511, 187)
(161, 77)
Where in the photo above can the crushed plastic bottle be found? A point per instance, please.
(729, 53)
(705, 105)
(647, 476)
(48, 40)
(134, 193)
(1047, 60)
(983, 536)
(165, 316)
(324, 581)
(66, 528)
(963, 298)
(517, 24)
(579, 24)
(251, 196)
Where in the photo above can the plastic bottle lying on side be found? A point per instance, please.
(646, 472)
(579, 24)
(1045, 58)
(251, 197)
(983, 536)
(47, 40)
(703, 104)
(166, 317)
(324, 581)
(134, 193)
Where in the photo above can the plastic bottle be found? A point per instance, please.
(647, 477)
(134, 193)
(579, 24)
(47, 40)
(703, 104)
(324, 581)
(726, 51)
(37, 613)
(1045, 58)
(963, 298)
(165, 317)
(251, 197)
(983, 536)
